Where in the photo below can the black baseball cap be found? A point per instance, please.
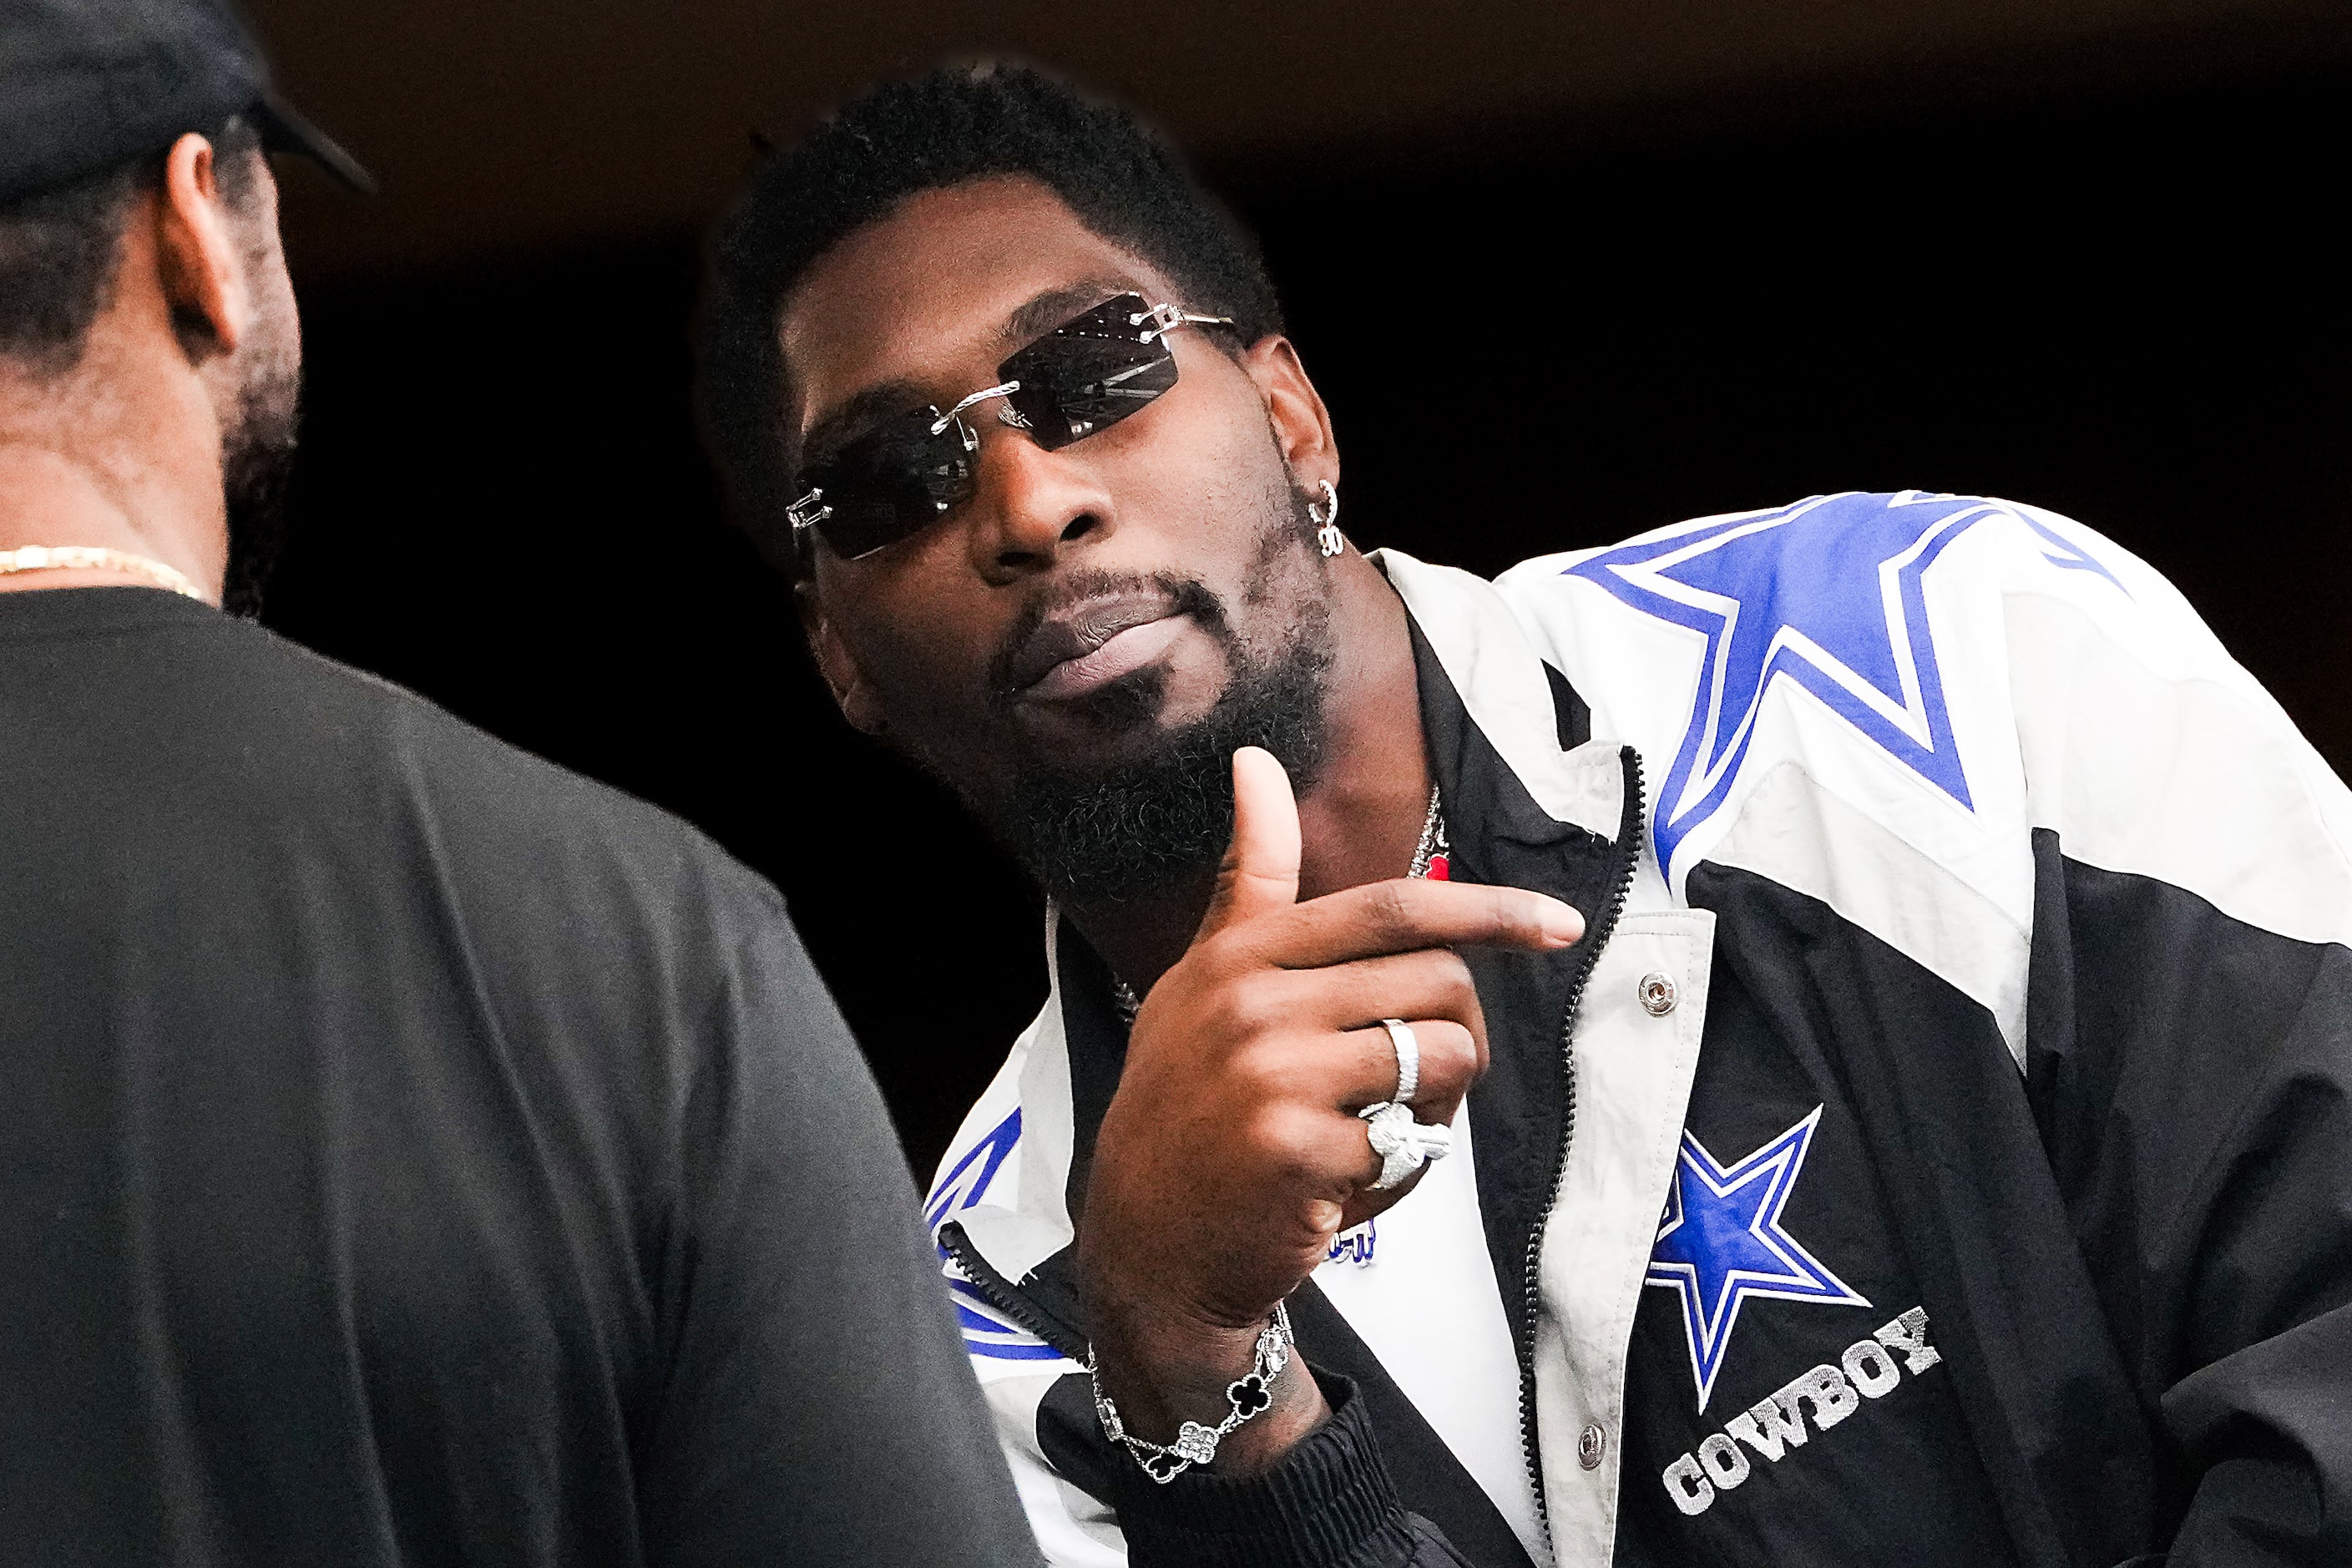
(88, 84)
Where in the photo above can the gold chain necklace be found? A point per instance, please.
(96, 558)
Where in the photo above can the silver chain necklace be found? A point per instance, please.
(1432, 845)
(1432, 852)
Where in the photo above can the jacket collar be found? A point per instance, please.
(1505, 693)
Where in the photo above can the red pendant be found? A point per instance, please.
(1438, 870)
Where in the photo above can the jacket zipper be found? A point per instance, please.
(1003, 1294)
(1629, 831)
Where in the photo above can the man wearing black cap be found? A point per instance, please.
(410, 1153)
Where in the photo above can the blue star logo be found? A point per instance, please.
(1722, 1242)
(1825, 594)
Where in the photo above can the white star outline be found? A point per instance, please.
(1708, 1326)
(1723, 755)
(1908, 719)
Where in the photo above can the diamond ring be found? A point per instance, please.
(1408, 1055)
(1403, 1144)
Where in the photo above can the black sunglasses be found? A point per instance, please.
(1086, 374)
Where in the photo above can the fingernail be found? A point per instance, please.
(1562, 923)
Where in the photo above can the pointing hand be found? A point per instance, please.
(1231, 1152)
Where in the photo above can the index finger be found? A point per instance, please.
(1407, 914)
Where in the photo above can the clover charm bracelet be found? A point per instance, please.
(1195, 1443)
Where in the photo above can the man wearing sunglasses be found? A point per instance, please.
(1814, 1035)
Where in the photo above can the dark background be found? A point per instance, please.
(1551, 299)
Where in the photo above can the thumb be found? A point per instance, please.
(1261, 867)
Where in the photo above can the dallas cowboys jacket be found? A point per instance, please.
(1939, 1150)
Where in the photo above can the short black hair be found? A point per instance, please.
(950, 125)
(60, 249)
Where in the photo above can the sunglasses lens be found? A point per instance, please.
(890, 484)
(1090, 372)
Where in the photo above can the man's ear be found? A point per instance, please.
(837, 664)
(203, 269)
(1302, 426)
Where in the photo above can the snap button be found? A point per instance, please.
(1657, 993)
(1589, 1444)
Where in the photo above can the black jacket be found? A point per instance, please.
(1984, 1191)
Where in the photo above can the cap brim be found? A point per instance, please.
(283, 128)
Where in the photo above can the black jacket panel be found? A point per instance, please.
(2191, 1076)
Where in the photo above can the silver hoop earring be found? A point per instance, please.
(1327, 537)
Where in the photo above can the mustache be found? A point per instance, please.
(1182, 596)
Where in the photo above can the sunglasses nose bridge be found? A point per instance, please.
(955, 415)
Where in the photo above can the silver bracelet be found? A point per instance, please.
(1195, 1443)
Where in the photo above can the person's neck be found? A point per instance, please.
(112, 462)
(1362, 819)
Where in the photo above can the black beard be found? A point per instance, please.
(1102, 837)
(255, 477)
(1167, 816)
(257, 450)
